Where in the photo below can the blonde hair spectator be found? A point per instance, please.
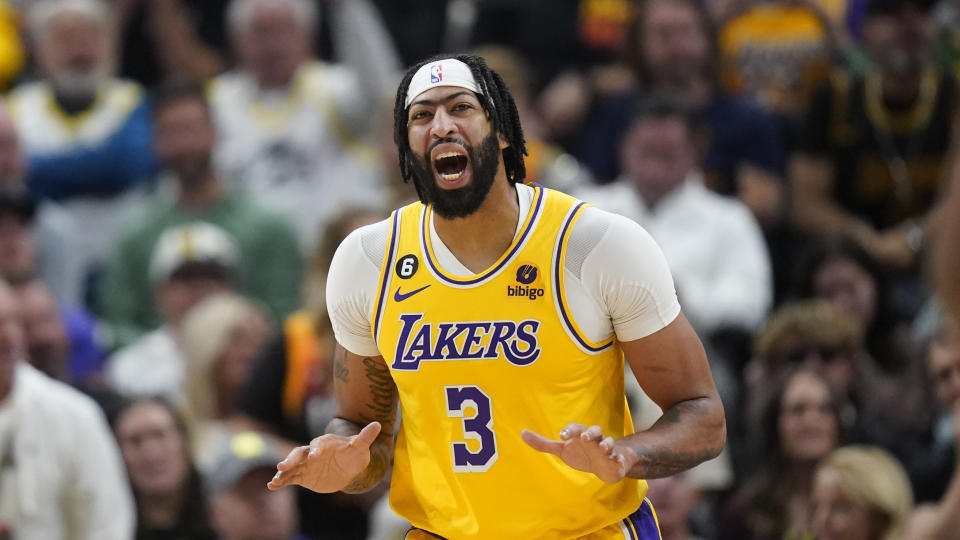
(219, 338)
(870, 479)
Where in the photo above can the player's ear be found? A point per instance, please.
(503, 141)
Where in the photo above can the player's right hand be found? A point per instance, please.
(329, 464)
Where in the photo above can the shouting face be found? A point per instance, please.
(456, 153)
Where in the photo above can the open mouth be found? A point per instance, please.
(450, 165)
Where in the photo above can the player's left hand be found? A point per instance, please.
(586, 449)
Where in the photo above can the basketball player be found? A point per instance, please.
(498, 314)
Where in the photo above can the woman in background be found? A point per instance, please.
(220, 338)
(800, 426)
(165, 483)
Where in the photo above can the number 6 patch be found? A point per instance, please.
(476, 427)
(407, 266)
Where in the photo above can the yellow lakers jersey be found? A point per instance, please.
(477, 360)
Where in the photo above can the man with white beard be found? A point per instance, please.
(86, 134)
(296, 132)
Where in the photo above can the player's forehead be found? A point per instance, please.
(443, 73)
(440, 95)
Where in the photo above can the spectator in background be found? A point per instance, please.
(813, 334)
(777, 53)
(297, 133)
(671, 48)
(190, 263)
(870, 159)
(62, 341)
(62, 338)
(49, 229)
(931, 469)
(936, 475)
(861, 493)
(800, 425)
(268, 264)
(840, 271)
(61, 476)
(819, 336)
(241, 507)
(86, 133)
(220, 338)
(713, 245)
(168, 488)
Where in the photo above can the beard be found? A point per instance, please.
(79, 84)
(460, 202)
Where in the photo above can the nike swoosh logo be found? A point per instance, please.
(400, 297)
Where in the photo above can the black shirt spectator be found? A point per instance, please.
(887, 154)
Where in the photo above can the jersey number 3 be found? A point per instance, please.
(476, 427)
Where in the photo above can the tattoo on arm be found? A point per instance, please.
(380, 455)
(340, 370)
(382, 390)
(381, 407)
(667, 458)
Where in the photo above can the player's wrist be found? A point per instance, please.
(626, 448)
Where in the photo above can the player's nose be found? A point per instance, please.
(442, 124)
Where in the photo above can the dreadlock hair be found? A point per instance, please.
(496, 101)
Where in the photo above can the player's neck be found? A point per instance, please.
(478, 240)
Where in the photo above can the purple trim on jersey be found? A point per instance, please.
(644, 522)
(557, 268)
(387, 268)
(424, 231)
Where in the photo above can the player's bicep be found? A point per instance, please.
(365, 389)
(671, 364)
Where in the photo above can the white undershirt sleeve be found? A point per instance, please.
(352, 287)
(628, 276)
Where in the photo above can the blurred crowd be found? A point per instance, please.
(175, 176)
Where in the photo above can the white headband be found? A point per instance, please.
(447, 72)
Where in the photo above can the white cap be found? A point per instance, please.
(446, 72)
(195, 242)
